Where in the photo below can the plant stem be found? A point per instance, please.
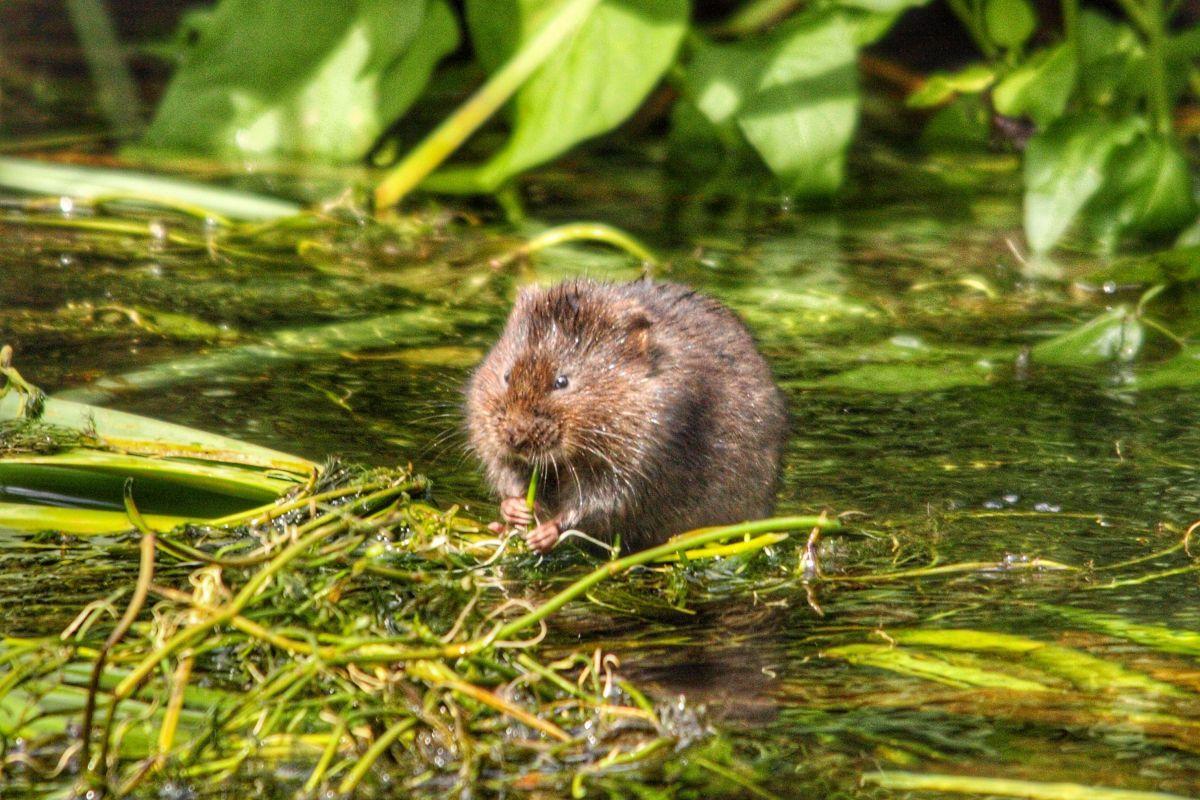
(687, 541)
(140, 590)
(467, 118)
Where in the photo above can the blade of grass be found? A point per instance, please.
(68, 180)
(1006, 787)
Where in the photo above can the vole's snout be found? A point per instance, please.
(527, 434)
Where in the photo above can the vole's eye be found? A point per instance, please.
(507, 375)
(561, 382)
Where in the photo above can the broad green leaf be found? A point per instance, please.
(1040, 87)
(1065, 166)
(1148, 191)
(179, 473)
(1009, 23)
(592, 84)
(1108, 55)
(804, 107)
(792, 94)
(942, 86)
(136, 434)
(312, 79)
(1115, 335)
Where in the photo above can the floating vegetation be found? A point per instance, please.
(349, 629)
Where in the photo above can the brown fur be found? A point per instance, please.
(670, 420)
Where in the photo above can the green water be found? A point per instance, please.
(983, 458)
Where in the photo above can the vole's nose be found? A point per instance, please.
(529, 433)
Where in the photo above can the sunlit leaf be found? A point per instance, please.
(1040, 87)
(592, 84)
(941, 86)
(1108, 54)
(792, 94)
(1065, 166)
(325, 84)
(1159, 637)
(1148, 190)
(1009, 22)
(1115, 335)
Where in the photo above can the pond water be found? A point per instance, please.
(900, 323)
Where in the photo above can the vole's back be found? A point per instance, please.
(727, 426)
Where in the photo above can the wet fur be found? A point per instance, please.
(671, 419)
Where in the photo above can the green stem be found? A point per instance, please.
(456, 128)
(140, 591)
(308, 535)
(687, 541)
(364, 764)
(584, 232)
(531, 495)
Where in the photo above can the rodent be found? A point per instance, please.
(646, 405)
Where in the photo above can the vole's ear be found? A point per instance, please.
(639, 331)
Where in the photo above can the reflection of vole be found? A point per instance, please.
(646, 406)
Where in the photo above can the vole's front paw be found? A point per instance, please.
(543, 538)
(515, 511)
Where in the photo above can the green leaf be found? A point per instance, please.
(1115, 335)
(792, 94)
(592, 84)
(805, 106)
(318, 80)
(1040, 87)
(90, 452)
(942, 86)
(1108, 55)
(1009, 23)
(1148, 190)
(963, 123)
(1174, 266)
(869, 20)
(1181, 371)
(1065, 166)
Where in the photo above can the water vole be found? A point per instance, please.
(646, 405)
